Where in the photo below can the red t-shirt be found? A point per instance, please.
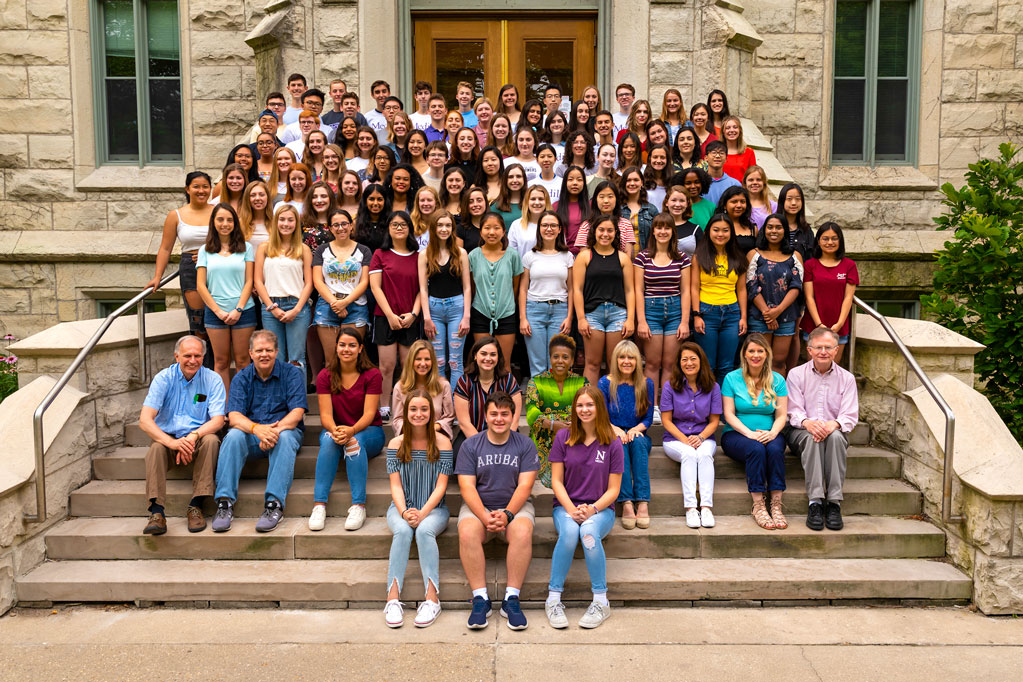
(349, 404)
(736, 164)
(399, 278)
(829, 291)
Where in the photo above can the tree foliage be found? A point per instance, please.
(978, 283)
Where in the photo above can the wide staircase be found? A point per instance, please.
(887, 553)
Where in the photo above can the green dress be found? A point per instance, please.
(543, 399)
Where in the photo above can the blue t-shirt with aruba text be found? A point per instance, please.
(496, 467)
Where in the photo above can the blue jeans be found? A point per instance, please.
(371, 442)
(720, 337)
(425, 534)
(545, 320)
(324, 315)
(239, 446)
(591, 531)
(663, 314)
(636, 478)
(765, 464)
(291, 336)
(446, 313)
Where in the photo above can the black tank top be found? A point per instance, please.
(605, 282)
(443, 283)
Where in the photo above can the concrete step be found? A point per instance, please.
(630, 580)
(881, 497)
(732, 537)
(129, 463)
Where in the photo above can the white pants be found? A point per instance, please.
(697, 466)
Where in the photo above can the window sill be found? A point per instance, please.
(133, 179)
(893, 178)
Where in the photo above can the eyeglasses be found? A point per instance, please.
(339, 225)
(822, 349)
(717, 152)
(619, 95)
(399, 224)
(276, 105)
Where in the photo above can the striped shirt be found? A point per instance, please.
(661, 280)
(419, 476)
(471, 390)
(625, 231)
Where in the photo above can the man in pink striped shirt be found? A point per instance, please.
(823, 407)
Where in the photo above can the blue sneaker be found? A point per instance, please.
(512, 610)
(480, 613)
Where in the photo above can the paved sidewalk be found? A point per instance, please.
(705, 644)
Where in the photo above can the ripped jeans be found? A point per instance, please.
(446, 313)
(590, 532)
(370, 441)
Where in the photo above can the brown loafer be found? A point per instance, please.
(157, 524)
(196, 520)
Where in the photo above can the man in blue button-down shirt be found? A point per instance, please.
(182, 413)
(265, 408)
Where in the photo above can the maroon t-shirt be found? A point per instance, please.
(399, 278)
(829, 291)
(349, 404)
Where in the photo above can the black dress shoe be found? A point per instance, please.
(815, 517)
(833, 516)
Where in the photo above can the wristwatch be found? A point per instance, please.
(510, 516)
(239, 310)
(697, 313)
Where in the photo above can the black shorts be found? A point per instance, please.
(480, 324)
(383, 335)
(187, 278)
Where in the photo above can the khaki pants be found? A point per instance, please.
(824, 463)
(160, 458)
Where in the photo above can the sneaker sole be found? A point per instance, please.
(471, 626)
(221, 530)
(424, 625)
(394, 625)
(596, 625)
(558, 626)
(513, 627)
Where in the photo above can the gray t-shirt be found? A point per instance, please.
(496, 467)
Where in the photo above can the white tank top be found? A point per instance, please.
(192, 237)
(283, 276)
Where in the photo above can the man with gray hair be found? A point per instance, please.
(823, 407)
(265, 408)
(182, 413)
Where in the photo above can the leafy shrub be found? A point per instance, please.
(8, 371)
(978, 284)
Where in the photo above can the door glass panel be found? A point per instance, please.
(459, 61)
(549, 61)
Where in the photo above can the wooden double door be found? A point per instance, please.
(528, 51)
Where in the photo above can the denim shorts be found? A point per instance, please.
(757, 324)
(842, 340)
(187, 276)
(663, 314)
(607, 317)
(324, 315)
(248, 319)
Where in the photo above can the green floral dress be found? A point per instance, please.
(543, 399)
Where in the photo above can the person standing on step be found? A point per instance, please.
(496, 470)
(823, 407)
(182, 413)
(265, 410)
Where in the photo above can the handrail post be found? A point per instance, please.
(140, 312)
(37, 437)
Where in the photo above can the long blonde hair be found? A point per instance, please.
(420, 222)
(275, 177)
(405, 449)
(602, 423)
(275, 246)
(637, 380)
(247, 215)
(682, 118)
(766, 374)
(408, 372)
(739, 143)
(764, 197)
(527, 215)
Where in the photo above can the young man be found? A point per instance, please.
(551, 100)
(275, 105)
(436, 156)
(312, 101)
(464, 94)
(625, 94)
(716, 154)
(421, 117)
(350, 107)
(182, 413)
(296, 86)
(332, 118)
(392, 105)
(438, 109)
(380, 90)
(496, 469)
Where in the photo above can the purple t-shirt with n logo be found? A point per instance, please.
(587, 467)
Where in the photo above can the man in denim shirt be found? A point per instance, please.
(265, 407)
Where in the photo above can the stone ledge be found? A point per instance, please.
(78, 246)
(134, 179)
(68, 338)
(895, 178)
(893, 244)
(920, 336)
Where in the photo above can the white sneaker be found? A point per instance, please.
(693, 518)
(318, 517)
(427, 613)
(556, 615)
(394, 614)
(596, 614)
(707, 517)
(657, 414)
(356, 517)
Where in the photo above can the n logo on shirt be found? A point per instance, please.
(599, 459)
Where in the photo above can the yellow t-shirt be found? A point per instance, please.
(717, 288)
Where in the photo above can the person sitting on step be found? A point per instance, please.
(823, 407)
(182, 413)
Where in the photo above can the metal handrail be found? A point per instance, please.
(37, 418)
(950, 417)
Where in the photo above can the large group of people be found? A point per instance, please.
(448, 271)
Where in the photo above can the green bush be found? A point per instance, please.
(977, 283)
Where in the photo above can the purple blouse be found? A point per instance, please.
(690, 411)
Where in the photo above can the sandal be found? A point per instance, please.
(643, 519)
(628, 522)
(761, 516)
(776, 514)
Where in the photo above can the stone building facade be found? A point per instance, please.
(74, 230)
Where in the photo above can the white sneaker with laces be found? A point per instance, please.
(556, 615)
(657, 414)
(707, 517)
(394, 614)
(693, 518)
(356, 517)
(427, 613)
(318, 517)
(595, 614)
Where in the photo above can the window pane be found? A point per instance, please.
(893, 40)
(165, 119)
(122, 120)
(850, 39)
(549, 62)
(459, 61)
(162, 29)
(890, 132)
(847, 120)
(119, 37)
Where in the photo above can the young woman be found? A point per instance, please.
(189, 224)
(255, 213)
(284, 283)
(639, 116)
(484, 110)
(696, 183)
(240, 155)
(761, 205)
(495, 273)
(630, 152)
(467, 225)
(348, 394)
(341, 277)
(685, 151)
(657, 133)
(573, 205)
(754, 401)
(312, 157)
(635, 204)
(792, 204)
(581, 118)
(662, 284)
(488, 172)
(691, 411)
(425, 207)
(734, 203)
(687, 233)
(718, 295)
(366, 150)
(603, 128)
(383, 162)
(513, 186)
(347, 132)
(299, 181)
(224, 281)
(349, 194)
(657, 174)
(235, 179)
(508, 105)
(445, 293)
(266, 145)
(673, 113)
(629, 396)
(555, 130)
(403, 182)
(607, 157)
(604, 300)
(398, 130)
(334, 166)
(718, 104)
(465, 150)
(578, 152)
(522, 233)
(284, 159)
(452, 190)
(740, 157)
(419, 462)
(532, 114)
(549, 396)
(525, 148)
(436, 160)
(587, 462)
(371, 219)
(591, 95)
(483, 375)
(699, 115)
(829, 286)
(420, 372)
(415, 149)
(545, 303)
(547, 158)
(394, 281)
(319, 202)
(453, 122)
(605, 201)
(774, 281)
(500, 134)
